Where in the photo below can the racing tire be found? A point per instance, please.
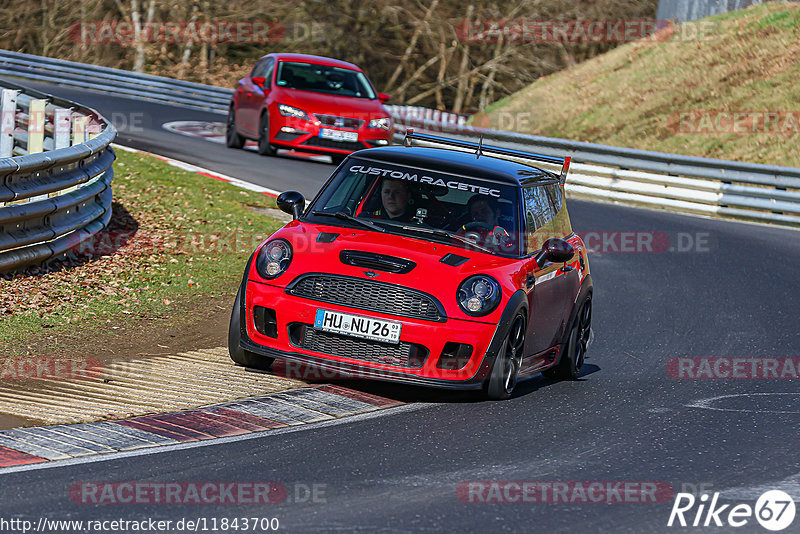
(573, 352)
(232, 137)
(507, 364)
(264, 147)
(237, 353)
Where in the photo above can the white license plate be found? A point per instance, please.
(358, 326)
(338, 135)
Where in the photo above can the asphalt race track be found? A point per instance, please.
(725, 289)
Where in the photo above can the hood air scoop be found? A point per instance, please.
(376, 262)
(326, 237)
(454, 260)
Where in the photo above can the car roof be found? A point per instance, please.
(316, 60)
(458, 162)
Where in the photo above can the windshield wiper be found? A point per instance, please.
(445, 233)
(342, 216)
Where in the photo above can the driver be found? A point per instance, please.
(484, 212)
(396, 201)
(483, 209)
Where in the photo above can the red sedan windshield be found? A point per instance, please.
(324, 79)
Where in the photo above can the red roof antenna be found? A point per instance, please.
(564, 170)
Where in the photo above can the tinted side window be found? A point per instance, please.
(539, 209)
(554, 194)
(542, 204)
(263, 69)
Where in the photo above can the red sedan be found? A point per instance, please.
(308, 103)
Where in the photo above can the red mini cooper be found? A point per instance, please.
(307, 103)
(450, 266)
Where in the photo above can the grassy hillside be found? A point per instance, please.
(635, 95)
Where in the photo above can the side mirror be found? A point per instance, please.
(259, 81)
(292, 203)
(555, 250)
(383, 97)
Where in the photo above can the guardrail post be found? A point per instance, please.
(79, 130)
(8, 121)
(36, 120)
(61, 128)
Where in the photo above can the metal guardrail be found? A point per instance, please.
(689, 184)
(55, 175)
(115, 81)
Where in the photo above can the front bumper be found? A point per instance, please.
(292, 311)
(296, 134)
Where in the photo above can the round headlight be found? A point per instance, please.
(478, 295)
(275, 252)
(274, 258)
(481, 288)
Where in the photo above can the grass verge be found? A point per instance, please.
(175, 238)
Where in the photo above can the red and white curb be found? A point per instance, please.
(24, 446)
(204, 172)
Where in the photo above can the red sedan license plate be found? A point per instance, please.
(338, 135)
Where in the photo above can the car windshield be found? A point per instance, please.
(324, 79)
(461, 211)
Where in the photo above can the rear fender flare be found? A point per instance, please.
(586, 290)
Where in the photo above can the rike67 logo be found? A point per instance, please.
(774, 510)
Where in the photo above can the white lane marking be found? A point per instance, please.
(706, 404)
(206, 172)
(210, 131)
(217, 441)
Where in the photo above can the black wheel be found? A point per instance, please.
(264, 148)
(574, 350)
(505, 370)
(232, 137)
(336, 159)
(237, 353)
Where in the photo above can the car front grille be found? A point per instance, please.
(339, 122)
(368, 295)
(408, 355)
(321, 142)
